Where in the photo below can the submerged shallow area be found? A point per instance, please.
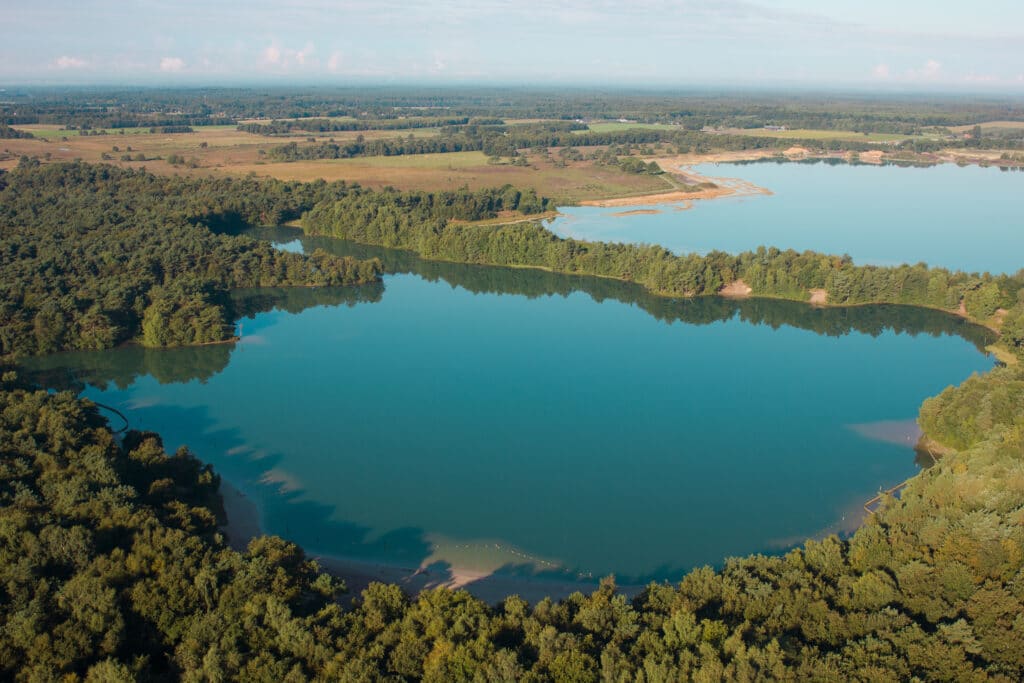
(532, 423)
(881, 215)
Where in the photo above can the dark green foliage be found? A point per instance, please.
(91, 256)
(8, 133)
(385, 219)
(111, 567)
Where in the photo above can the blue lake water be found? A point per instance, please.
(943, 215)
(542, 424)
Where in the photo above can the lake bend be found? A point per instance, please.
(544, 425)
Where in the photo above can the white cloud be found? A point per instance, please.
(172, 64)
(931, 70)
(66, 62)
(335, 62)
(880, 71)
(272, 55)
(302, 55)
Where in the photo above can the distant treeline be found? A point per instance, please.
(112, 568)
(506, 141)
(111, 108)
(92, 256)
(382, 218)
(333, 125)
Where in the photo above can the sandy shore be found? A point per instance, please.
(243, 524)
(638, 212)
(659, 198)
(679, 167)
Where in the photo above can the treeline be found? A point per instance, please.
(292, 151)
(92, 256)
(833, 321)
(106, 108)
(378, 218)
(8, 133)
(319, 125)
(112, 569)
(506, 141)
(75, 370)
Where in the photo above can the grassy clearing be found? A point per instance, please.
(990, 125)
(615, 126)
(572, 183)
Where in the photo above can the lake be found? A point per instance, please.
(532, 423)
(883, 215)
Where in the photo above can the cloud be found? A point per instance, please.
(302, 55)
(172, 64)
(272, 55)
(284, 58)
(335, 62)
(880, 71)
(931, 70)
(66, 62)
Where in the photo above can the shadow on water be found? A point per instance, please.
(122, 367)
(283, 508)
(531, 283)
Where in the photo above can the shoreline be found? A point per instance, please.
(680, 168)
(242, 523)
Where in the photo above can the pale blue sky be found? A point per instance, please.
(885, 44)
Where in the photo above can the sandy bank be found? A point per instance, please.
(637, 212)
(737, 289)
(659, 198)
(243, 524)
(819, 297)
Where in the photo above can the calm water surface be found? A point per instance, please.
(543, 423)
(943, 215)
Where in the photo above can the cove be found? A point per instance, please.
(524, 422)
(880, 215)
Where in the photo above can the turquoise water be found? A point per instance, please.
(542, 424)
(942, 215)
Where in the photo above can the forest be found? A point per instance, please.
(116, 108)
(113, 569)
(92, 256)
(381, 218)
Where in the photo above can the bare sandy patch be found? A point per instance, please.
(871, 157)
(796, 152)
(659, 198)
(638, 212)
(819, 297)
(737, 289)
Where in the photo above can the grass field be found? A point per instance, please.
(574, 182)
(990, 125)
(229, 151)
(615, 126)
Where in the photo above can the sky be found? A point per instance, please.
(874, 44)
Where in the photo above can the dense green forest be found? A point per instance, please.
(381, 218)
(92, 256)
(113, 570)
